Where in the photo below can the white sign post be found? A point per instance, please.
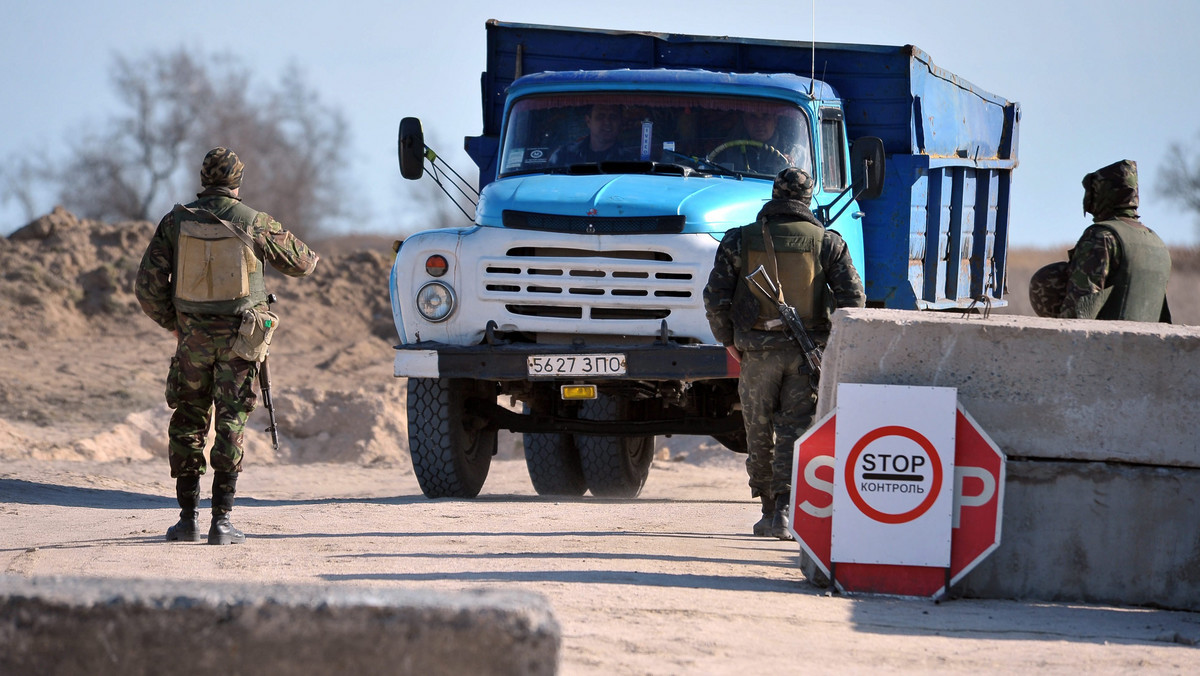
(893, 494)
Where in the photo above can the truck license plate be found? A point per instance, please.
(576, 364)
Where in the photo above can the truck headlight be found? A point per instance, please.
(435, 301)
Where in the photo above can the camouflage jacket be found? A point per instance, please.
(1098, 269)
(1090, 262)
(154, 286)
(1092, 272)
(841, 278)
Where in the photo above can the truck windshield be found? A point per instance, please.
(748, 136)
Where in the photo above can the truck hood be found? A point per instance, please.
(708, 203)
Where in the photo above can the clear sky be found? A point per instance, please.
(1098, 80)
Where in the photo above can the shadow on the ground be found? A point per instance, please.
(20, 491)
(743, 583)
(990, 619)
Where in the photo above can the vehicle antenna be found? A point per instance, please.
(812, 80)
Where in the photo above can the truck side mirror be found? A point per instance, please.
(867, 166)
(411, 149)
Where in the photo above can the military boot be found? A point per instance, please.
(187, 492)
(763, 527)
(222, 532)
(779, 522)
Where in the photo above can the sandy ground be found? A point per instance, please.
(664, 584)
(668, 583)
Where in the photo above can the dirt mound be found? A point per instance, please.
(66, 276)
(83, 371)
(63, 275)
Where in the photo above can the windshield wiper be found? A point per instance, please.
(624, 167)
(703, 164)
(637, 167)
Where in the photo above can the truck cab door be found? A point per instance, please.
(834, 161)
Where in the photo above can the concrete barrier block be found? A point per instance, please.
(103, 626)
(1041, 388)
(1096, 418)
(1096, 532)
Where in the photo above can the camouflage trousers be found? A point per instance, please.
(778, 406)
(206, 376)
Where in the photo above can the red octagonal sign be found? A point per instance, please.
(978, 509)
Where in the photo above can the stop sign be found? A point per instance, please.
(975, 529)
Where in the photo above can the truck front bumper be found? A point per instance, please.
(656, 361)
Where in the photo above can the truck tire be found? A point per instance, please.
(451, 450)
(553, 463)
(615, 467)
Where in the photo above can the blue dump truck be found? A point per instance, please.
(610, 165)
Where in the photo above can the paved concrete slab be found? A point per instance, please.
(106, 626)
(1042, 388)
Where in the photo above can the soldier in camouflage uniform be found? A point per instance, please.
(816, 276)
(200, 275)
(1118, 269)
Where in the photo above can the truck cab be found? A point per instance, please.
(679, 170)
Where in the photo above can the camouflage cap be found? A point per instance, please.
(1111, 191)
(793, 184)
(221, 167)
(1048, 288)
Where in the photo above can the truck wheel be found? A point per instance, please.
(615, 467)
(451, 450)
(553, 463)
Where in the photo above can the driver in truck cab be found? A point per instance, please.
(603, 121)
(757, 146)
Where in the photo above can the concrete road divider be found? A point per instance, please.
(1042, 388)
(104, 626)
(1098, 421)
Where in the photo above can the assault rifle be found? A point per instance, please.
(264, 384)
(792, 325)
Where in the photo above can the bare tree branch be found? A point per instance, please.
(1181, 178)
(177, 106)
(20, 177)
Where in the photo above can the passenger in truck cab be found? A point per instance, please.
(603, 121)
(757, 146)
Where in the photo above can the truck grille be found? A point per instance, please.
(594, 225)
(589, 285)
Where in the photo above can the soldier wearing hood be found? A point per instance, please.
(201, 278)
(816, 276)
(1118, 269)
